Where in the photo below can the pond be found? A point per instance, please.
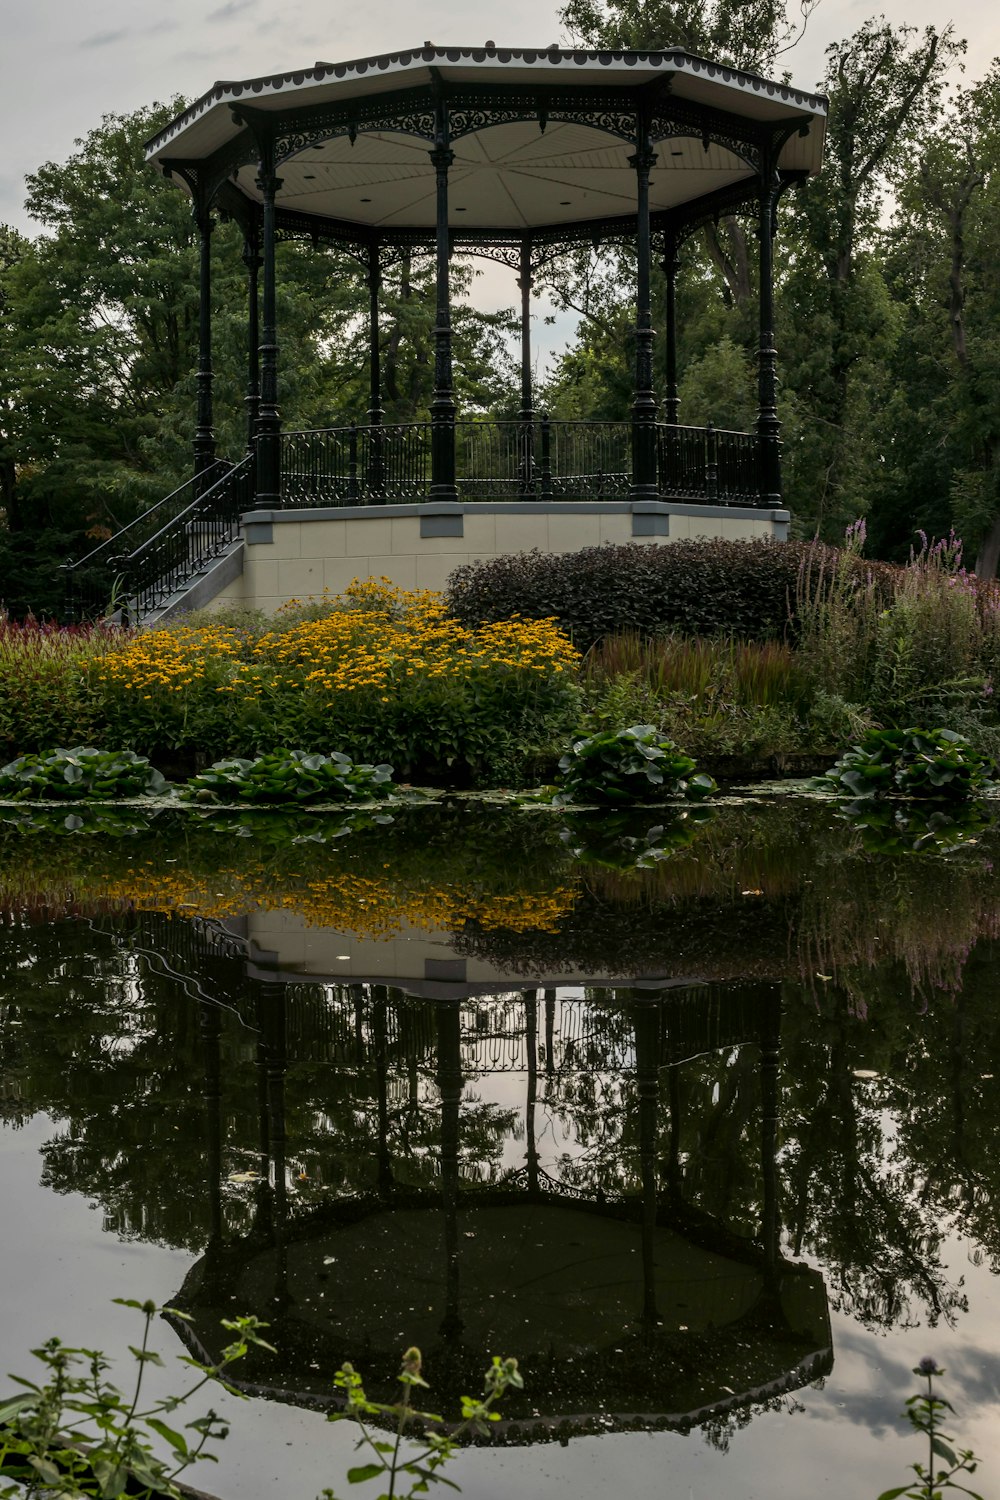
(698, 1119)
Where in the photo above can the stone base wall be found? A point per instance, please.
(294, 553)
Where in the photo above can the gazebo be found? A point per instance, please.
(513, 154)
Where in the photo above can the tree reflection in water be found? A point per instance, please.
(789, 1062)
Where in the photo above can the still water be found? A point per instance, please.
(697, 1119)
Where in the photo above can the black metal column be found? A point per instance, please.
(268, 493)
(646, 1021)
(375, 475)
(671, 264)
(770, 1229)
(449, 1079)
(768, 426)
(527, 413)
(204, 436)
(531, 1042)
(644, 485)
(252, 261)
(443, 486)
(375, 412)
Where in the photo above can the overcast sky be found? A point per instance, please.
(65, 63)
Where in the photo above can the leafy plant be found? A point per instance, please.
(82, 772)
(389, 1461)
(291, 776)
(77, 1434)
(924, 1412)
(911, 763)
(696, 588)
(629, 765)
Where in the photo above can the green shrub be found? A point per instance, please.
(291, 776)
(745, 589)
(911, 763)
(79, 773)
(629, 765)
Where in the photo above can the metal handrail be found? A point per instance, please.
(114, 541)
(166, 561)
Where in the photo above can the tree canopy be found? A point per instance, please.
(887, 311)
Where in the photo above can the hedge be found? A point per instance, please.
(697, 588)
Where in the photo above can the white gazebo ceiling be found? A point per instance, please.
(509, 176)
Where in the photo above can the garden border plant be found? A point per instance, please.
(937, 763)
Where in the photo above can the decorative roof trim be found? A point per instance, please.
(552, 60)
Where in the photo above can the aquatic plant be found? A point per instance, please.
(291, 776)
(389, 1461)
(83, 772)
(924, 1412)
(629, 765)
(911, 763)
(76, 1434)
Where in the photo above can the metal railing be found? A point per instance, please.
(356, 465)
(538, 460)
(588, 460)
(93, 581)
(186, 543)
(708, 465)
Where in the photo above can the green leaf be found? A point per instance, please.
(365, 1471)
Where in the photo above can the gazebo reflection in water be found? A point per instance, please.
(636, 1290)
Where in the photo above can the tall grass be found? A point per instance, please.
(45, 699)
(749, 674)
(929, 653)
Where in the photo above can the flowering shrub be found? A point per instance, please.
(379, 673)
(390, 675)
(161, 688)
(44, 685)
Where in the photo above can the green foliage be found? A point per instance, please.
(82, 772)
(291, 776)
(911, 763)
(608, 841)
(910, 829)
(629, 765)
(697, 588)
(390, 1462)
(76, 1434)
(924, 1412)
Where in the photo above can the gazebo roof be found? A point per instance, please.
(542, 137)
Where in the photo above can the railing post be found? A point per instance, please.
(711, 463)
(352, 463)
(546, 464)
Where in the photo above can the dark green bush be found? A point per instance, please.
(911, 763)
(629, 765)
(744, 589)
